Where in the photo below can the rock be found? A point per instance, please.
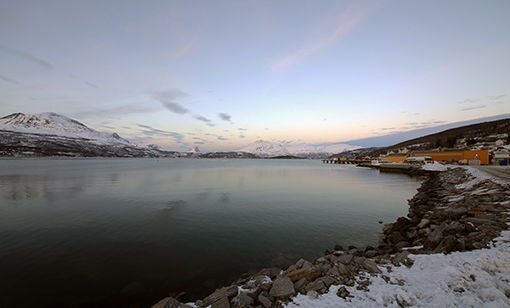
(264, 282)
(221, 303)
(371, 266)
(338, 247)
(345, 259)
(264, 301)
(396, 237)
(343, 292)
(271, 272)
(254, 293)
(333, 272)
(312, 294)
(402, 244)
(228, 292)
(243, 300)
(400, 258)
(300, 284)
(310, 274)
(300, 263)
(315, 286)
(342, 269)
(370, 253)
(328, 281)
(423, 223)
(282, 288)
(170, 302)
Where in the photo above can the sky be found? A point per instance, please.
(222, 74)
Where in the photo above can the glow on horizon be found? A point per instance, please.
(220, 75)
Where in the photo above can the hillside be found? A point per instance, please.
(448, 138)
(273, 149)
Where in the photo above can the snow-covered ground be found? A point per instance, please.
(479, 278)
(435, 166)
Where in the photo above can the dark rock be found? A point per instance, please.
(300, 284)
(345, 259)
(343, 292)
(264, 301)
(370, 266)
(243, 300)
(282, 288)
(271, 272)
(170, 302)
(221, 303)
(315, 286)
(228, 292)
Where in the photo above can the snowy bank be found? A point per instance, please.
(460, 279)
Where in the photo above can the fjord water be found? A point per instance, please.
(101, 232)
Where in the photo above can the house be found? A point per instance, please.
(501, 157)
(472, 157)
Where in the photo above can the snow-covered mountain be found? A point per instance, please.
(55, 124)
(268, 148)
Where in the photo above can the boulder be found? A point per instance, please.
(170, 302)
(370, 266)
(345, 259)
(342, 269)
(228, 292)
(221, 303)
(264, 301)
(317, 285)
(243, 300)
(271, 272)
(310, 274)
(282, 288)
(300, 284)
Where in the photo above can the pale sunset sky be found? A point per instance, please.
(222, 74)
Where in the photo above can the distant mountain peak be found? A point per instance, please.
(270, 148)
(51, 123)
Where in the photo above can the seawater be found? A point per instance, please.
(112, 232)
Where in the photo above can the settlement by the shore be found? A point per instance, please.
(444, 253)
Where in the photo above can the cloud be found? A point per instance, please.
(5, 78)
(242, 129)
(473, 108)
(116, 111)
(225, 117)
(222, 138)
(167, 99)
(242, 136)
(184, 50)
(205, 120)
(199, 142)
(352, 17)
(90, 84)
(497, 97)
(27, 56)
(150, 131)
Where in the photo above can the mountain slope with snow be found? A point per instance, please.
(268, 148)
(55, 124)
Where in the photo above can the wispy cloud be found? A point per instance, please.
(150, 131)
(222, 138)
(225, 117)
(352, 17)
(207, 121)
(473, 108)
(167, 98)
(184, 50)
(116, 111)
(5, 78)
(27, 56)
(242, 136)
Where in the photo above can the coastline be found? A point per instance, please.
(457, 212)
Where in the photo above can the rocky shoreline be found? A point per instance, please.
(452, 211)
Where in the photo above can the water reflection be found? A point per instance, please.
(114, 228)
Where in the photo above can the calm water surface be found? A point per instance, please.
(106, 232)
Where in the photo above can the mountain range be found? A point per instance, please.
(268, 149)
